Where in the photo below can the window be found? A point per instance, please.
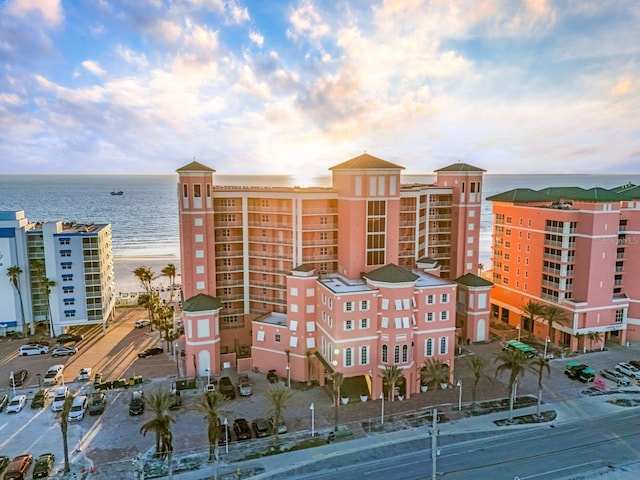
(444, 315)
(66, 265)
(293, 292)
(444, 298)
(69, 301)
(385, 304)
(64, 241)
(364, 355)
(196, 191)
(385, 354)
(293, 325)
(430, 299)
(277, 338)
(260, 336)
(69, 313)
(443, 345)
(330, 303)
(364, 305)
(348, 324)
(619, 316)
(364, 323)
(405, 353)
(384, 322)
(428, 317)
(348, 306)
(348, 357)
(428, 347)
(67, 289)
(65, 253)
(396, 354)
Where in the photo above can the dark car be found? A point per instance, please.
(136, 405)
(97, 403)
(147, 352)
(4, 461)
(18, 378)
(4, 399)
(261, 427)
(272, 376)
(69, 337)
(573, 370)
(40, 399)
(635, 363)
(225, 386)
(43, 465)
(241, 427)
(224, 430)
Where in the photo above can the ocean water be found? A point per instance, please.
(145, 219)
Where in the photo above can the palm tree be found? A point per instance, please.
(579, 336)
(434, 372)
(47, 284)
(554, 315)
(531, 311)
(64, 424)
(477, 365)
(513, 361)
(170, 272)
(158, 403)
(539, 365)
(146, 277)
(278, 395)
(391, 375)
(595, 337)
(14, 274)
(150, 301)
(210, 404)
(338, 379)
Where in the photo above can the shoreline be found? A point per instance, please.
(124, 265)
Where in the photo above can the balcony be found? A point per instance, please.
(553, 271)
(264, 269)
(229, 268)
(262, 283)
(261, 254)
(270, 240)
(227, 208)
(319, 211)
(320, 258)
(270, 224)
(552, 256)
(230, 283)
(446, 217)
(233, 239)
(315, 242)
(439, 204)
(259, 209)
(233, 253)
(407, 223)
(263, 299)
(319, 226)
(408, 208)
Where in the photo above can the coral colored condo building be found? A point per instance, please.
(349, 278)
(574, 248)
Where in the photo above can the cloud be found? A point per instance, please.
(256, 38)
(239, 15)
(49, 10)
(131, 57)
(93, 67)
(307, 22)
(623, 87)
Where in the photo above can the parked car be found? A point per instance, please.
(628, 370)
(4, 461)
(58, 399)
(272, 376)
(16, 403)
(33, 349)
(18, 467)
(282, 426)
(587, 375)
(241, 427)
(97, 403)
(69, 337)
(617, 377)
(4, 399)
(176, 400)
(40, 399)
(54, 374)
(261, 427)
(635, 363)
(136, 404)
(224, 430)
(145, 322)
(225, 387)
(43, 465)
(84, 374)
(244, 386)
(147, 352)
(78, 408)
(18, 378)
(63, 351)
(573, 369)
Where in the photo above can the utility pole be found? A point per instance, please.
(434, 443)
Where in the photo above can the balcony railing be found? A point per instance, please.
(233, 239)
(320, 258)
(552, 256)
(270, 240)
(233, 253)
(270, 224)
(261, 254)
(319, 211)
(259, 209)
(319, 226)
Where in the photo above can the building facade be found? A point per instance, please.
(315, 280)
(66, 274)
(573, 248)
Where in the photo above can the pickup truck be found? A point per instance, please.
(225, 387)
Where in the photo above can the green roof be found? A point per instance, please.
(391, 273)
(460, 167)
(195, 167)
(364, 162)
(629, 191)
(201, 303)
(598, 194)
(471, 280)
(554, 194)
(521, 195)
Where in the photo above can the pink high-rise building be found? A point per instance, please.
(311, 281)
(573, 248)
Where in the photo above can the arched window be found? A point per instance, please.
(405, 353)
(385, 354)
(428, 347)
(443, 345)
(396, 354)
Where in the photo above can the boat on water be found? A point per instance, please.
(117, 192)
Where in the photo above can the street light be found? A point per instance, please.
(208, 376)
(288, 376)
(313, 420)
(459, 385)
(382, 414)
(546, 342)
(518, 328)
(226, 435)
(177, 364)
(39, 375)
(13, 382)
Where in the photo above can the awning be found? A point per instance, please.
(327, 365)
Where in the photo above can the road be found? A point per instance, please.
(543, 453)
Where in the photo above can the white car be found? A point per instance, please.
(53, 376)
(78, 408)
(33, 349)
(615, 376)
(16, 403)
(145, 322)
(628, 370)
(85, 374)
(58, 400)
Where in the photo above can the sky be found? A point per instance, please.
(296, 87)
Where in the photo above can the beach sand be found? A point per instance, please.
(124, 266)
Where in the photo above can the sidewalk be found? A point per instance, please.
(275, 466)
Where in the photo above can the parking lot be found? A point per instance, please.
(115, 435)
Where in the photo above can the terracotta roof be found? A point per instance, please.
(366, 161)
(391, 273)
(471, 280)
(195, 167)
(201, 303)
(460, 167)
(305, 267)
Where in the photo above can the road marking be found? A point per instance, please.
(595, 462)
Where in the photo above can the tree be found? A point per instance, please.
(477, 365)
(64, 424)
(539, 365)
(580, 336)
(170, 272)
(434, 372)
(554, 315)
(210, 404)
(158, 403)
(531, 311)
(14, 275)
(338, 379)
(146, 277)
(514, 362)
(277, 396)
(151, 301)
(595, 337)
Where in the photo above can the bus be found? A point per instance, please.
(526, 350)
